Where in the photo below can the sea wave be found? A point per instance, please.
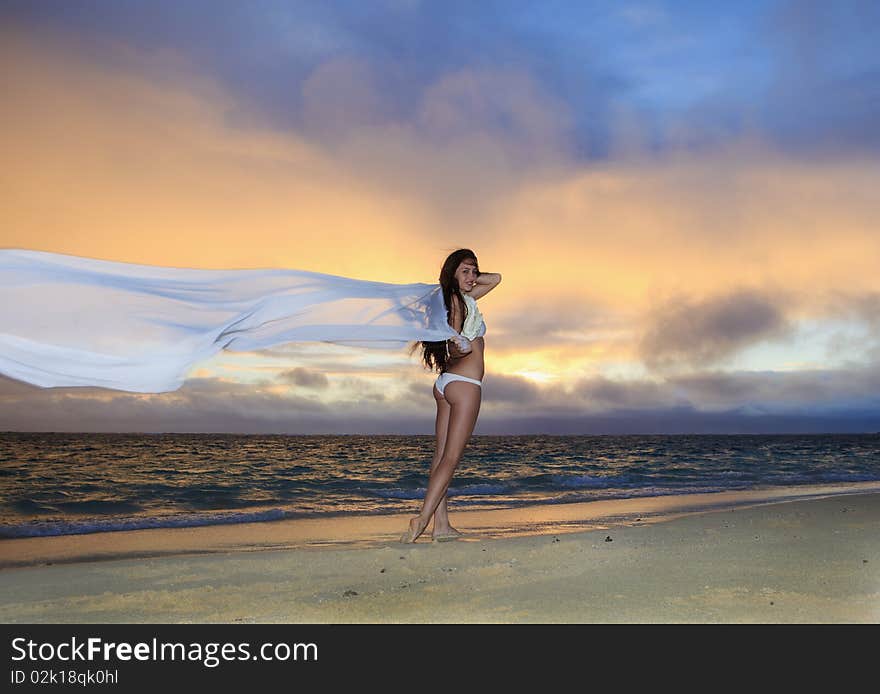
(65, 484)
(73, 527)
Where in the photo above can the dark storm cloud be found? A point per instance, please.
(843, 400)
(604, 393)
(201, 404)
(685, 421)
(304, 377)
(511, 389)
(686, 332)
(816, 390)
(834, 400)
(207, 405)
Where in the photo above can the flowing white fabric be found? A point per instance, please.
(72, 321)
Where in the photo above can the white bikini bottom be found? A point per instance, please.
(447, 377)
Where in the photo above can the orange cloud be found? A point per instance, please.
(143, 160)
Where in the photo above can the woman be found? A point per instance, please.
(458, 388)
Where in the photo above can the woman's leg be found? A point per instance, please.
(464, 404)
(442, 527)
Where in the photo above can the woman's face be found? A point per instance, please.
(466, 274)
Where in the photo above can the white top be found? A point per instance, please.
(474, 325)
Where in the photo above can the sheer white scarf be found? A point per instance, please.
(72, 321)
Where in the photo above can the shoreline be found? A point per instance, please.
(371, 531)
(809, 555)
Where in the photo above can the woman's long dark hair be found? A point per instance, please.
(434, 353)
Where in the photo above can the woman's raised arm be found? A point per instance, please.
(485, 283)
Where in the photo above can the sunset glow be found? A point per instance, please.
(685, 218)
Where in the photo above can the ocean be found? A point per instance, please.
(71, 483)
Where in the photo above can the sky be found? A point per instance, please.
(681, 198)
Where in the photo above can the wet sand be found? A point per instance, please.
(798, 554)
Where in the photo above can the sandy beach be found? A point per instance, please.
(782, 555)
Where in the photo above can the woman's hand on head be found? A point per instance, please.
(485, 283)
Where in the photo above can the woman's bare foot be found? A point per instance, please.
(416, 528)
(446, 534)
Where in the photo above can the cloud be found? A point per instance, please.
(501, 102)
(710, 391)
(11, 389)
(478, 135)
(829, 400)
(338, 96)
(593, 250)
(800, 75)
(180, 180)
(500, 388)
(176, 162)
(601, 393)
(860, 306)
(687, 332)
(825, 92)
(303, 377)
(810, 391)
(201, 404)
(685, 421)
(537, 324)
